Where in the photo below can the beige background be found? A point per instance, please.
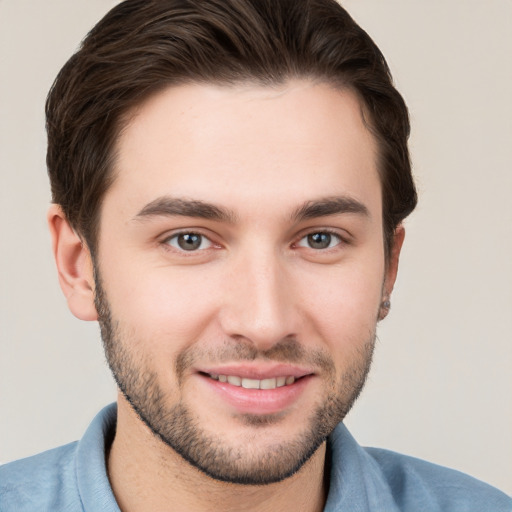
(441, 384)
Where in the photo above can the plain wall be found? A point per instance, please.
(441, 382)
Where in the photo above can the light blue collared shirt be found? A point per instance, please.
(73, 478)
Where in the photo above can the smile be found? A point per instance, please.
(256, 389)
(272, 383)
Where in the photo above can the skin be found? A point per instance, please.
(260, 154)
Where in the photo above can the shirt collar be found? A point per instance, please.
(91, 468)
(356, 482)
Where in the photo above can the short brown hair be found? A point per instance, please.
(142, 46)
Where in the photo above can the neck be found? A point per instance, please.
(147, 475)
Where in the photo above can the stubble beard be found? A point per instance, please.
(179, 429)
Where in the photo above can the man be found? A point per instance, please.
(229, 180)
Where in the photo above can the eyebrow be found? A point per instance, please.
(170, 206)
(330, 206)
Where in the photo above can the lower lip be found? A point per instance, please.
(259, 401)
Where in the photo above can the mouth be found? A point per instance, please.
(251, 390)
(246, 383)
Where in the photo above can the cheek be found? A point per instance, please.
(344, 303)
(161, 306)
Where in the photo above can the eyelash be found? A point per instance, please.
(168, 246)
(326, 231)
(167, 242)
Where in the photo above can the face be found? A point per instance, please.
(240, 271)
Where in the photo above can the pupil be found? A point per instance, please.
(319, 240)
(189, 241)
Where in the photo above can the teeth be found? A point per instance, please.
(268, 384)
(250, 383)
(273, 383)
(233, 379)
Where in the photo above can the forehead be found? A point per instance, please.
(232, 145)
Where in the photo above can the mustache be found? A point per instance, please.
(288, 350)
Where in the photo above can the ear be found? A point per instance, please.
(391, 270)
(74, 265)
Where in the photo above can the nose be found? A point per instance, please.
(259, 304)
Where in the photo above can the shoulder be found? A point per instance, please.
(43, 482)
(374, 479)
(420, 485)
(72, 478)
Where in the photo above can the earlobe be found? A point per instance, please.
(74, 265)
(391, 271)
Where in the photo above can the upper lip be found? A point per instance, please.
(257, 371)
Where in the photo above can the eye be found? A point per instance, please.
(189, 242)
(320, 240)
